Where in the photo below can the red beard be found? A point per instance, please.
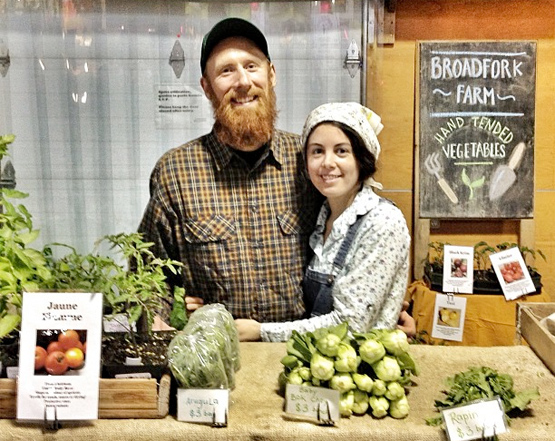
(245, 128)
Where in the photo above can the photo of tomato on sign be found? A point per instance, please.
(60, 352)
(511, 272)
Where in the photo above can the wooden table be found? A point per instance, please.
(256, 408)
(490, 319)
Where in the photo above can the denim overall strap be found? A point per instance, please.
(317, 287)
(339, 260)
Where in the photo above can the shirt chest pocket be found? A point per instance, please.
(212, 255)
(211, 229)
(292, 244)
(292, 223)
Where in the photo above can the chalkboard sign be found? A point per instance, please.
(476, 129)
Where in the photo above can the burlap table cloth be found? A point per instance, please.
(256, 408)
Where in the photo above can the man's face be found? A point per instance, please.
(239, 81)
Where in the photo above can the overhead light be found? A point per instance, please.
(353, 60)
(7, 176)
(4, 58)
(177, 59)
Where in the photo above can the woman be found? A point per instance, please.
(359, 270)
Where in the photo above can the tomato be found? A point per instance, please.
(68, 339)
(56, 363)
(75, 358)
(40, 357)
(54, 346)
(79, 345)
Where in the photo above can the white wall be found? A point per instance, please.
(86, 162)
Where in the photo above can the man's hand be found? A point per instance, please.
(249, 330)
(193, 303)
(406, 322)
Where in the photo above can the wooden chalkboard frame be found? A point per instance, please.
(475, 129)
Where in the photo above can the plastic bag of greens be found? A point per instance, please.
(215, 333)
(216, 316)
(196, 362)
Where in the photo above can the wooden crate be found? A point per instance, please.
(118, 398)
(537, 336)
(7, 398)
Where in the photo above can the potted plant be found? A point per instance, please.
(133, 283)
(485, 279)
(21, 266)
(433, 265)
(135, 293)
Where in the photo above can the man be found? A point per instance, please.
(235, 206)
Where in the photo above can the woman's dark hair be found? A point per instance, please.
(365, 159)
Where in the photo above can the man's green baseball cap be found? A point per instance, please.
(231, 27)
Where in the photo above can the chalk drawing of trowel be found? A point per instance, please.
(504, 175)
(434, 168)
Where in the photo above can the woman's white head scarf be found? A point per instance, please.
(354, 115)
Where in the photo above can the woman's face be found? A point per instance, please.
(331, 164)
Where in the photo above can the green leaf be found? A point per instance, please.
(14, 194)
(478, 183)
(297, 346)
(8, 323)
(31, 236)
(406, 362)
(340, 330)
(7, 139)
(522, 399)
(178, 315)
(134, 313)
(465, 177)
(6, 233)
(35, 257)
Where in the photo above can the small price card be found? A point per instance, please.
(458, 272)
(305, 401)
(203, 405)
(475, 420)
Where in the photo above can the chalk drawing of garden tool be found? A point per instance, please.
(504, 176)
(434, 168)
